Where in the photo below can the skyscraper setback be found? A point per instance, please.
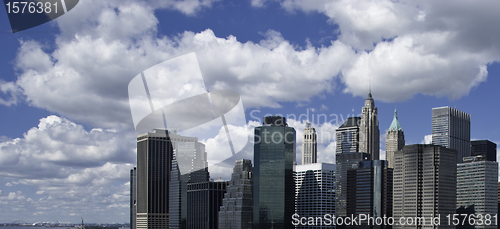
(309, 146)
(369, 133)
(395, 140)
(274, 186)
(237, 206)
(451, 128)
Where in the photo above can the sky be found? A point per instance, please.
(67, 138)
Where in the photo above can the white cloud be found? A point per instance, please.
(437, 48)
(427, 139)
(52, 149)
(76, 173)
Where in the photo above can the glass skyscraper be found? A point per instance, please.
(485, 148)
(451, 129)
(274, 186)
(369, 191)
(476, 191)
(189, 165)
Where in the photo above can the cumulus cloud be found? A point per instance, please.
(409, 47)
(76, 172)
(52, 149)
(95, 81)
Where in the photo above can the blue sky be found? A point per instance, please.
(67, 136)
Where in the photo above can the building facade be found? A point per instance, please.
(314, 191)
(425, 182)
(485, 148)
(133, 197)
(347, 157)
(369, 191)
(451, 129)
(274, 186)
(189, 165)
(309, 145)
(154, 159)
(395, 140)
(348, 136)
(369, 133)
(203, 202)
(476, 191)
(237, 206)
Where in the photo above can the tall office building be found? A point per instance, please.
(274, 186)
(476, 192)
(309, 145)
(189, 165)
(347, 157)
(451, 128)
(133, 197)
(347, 136)
(425, 182)
(154, 159)
(394, 141)
(369, 191)
(204, 201)
(315, 191)
(237, 206)
(485, 148)
(369, 133)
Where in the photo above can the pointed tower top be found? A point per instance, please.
(395, 126)
(370, 95)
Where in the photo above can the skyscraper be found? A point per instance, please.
(189, 165)
(154, 159)
(476, 191)
(394, 141)
(204, 201)
(309, 146)
(425, 182)
(369, 190)
(274, 186)
(485, 148)
(314, 191)
(369, 133)
(347, 157)
(348, 136)
(237, 206)
(133, 197)
(451, 128)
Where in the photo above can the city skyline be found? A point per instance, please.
(67, 140)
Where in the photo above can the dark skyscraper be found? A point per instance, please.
(133, 197)
(274, 186)
(204, 201)
(347, 157)
(154, 158)
(451, 129)
(485, 148)
(369, 190)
